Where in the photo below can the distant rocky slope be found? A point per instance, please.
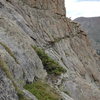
(92, 26)
(44, 55)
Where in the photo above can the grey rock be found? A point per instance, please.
(65, 97)
(43, 23)
(92, 26)
(29, 95)
(7, 90)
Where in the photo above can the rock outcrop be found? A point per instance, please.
(29, 24)
(92, 26)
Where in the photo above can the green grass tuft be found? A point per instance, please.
(5, 68)
(9, 51)
(42, 91)
(50, 65)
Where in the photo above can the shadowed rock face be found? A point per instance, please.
(92, 27)
(25, 24)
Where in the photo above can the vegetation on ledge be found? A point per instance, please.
(42, 91)
(6, 70)
(49, 64)
(9, 51)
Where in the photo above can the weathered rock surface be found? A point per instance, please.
(27, 23)
(7, 90)
(92, 26)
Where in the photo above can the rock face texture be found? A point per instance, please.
(92, 26)
(42, 23)
(7, 91)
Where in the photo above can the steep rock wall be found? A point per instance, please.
(43, 23)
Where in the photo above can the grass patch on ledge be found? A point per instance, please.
(9, 51)
(42, 91)
(49, 64)
(5, 68)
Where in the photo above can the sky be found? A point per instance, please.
(82, 8)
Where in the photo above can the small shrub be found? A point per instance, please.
(42, 91)
(9, 51)
(50, 65)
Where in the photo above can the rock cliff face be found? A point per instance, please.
(92, 26)
(29, 24)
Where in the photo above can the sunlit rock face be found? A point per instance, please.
(56, 6)
(27, 24)
(92, 26)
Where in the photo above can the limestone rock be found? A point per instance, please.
(42, 23)
(7, 90)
